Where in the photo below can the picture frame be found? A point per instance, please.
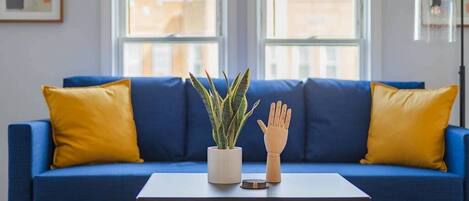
(428, 20)
(31, 11)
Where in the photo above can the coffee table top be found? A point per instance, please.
(301, 186)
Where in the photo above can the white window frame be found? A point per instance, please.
(360, 41)
(240, 45)
(121, 17)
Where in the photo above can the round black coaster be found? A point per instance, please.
(254, 184)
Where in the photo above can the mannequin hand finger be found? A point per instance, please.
(287, 119)
(283, 115)
(262, 126)
(271, 115)
(278, 111)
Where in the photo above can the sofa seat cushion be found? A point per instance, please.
(159, 112)
(116, 182)
(122, 182)
(251, 138)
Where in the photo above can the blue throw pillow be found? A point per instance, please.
(337, 118)
(159, 106)
(251, 138)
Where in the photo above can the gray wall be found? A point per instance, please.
(404, 59)
(36, 54)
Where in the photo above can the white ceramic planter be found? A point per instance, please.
(224, 165)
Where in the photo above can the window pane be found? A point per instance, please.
(311, 19)
(148, 59)
(300, 62)
(161, 18)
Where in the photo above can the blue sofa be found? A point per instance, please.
(328, 134)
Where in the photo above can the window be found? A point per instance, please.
(313, 38)
(303, 64)
(290, 39)
(328, 62)
(170, 37)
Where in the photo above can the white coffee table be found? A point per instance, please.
(298, 187)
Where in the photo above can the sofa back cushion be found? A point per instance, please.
(337, 118)
(159, 111)
(251, 138)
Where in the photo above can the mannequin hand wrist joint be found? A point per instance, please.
(273, 155)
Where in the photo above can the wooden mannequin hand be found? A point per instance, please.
(275, 138)
(276, 133)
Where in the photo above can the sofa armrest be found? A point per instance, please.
(30, 149)
(457, 150)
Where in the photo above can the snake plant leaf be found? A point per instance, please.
(205, 99)
(243, 120)
(232, 89)
(237, 121)
(234, 84)
(242, 107)
(240, 124)
(213, 89)
(236, 80)
(223, 144)
(232, 129)
(223, 138)
(241, 89)
(228, 88)
(215, 137)
(216, 98)
(253, 108)
(240, 127)
(217, 108)
(240, 111)
(227, 114)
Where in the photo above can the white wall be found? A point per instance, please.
(36, 54)
(404, 59)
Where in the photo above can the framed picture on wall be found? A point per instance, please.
(31, 10)
(444, 13)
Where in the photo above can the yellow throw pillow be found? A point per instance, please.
(92, 124)
(407, 126)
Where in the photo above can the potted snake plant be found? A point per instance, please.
(227, 116)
